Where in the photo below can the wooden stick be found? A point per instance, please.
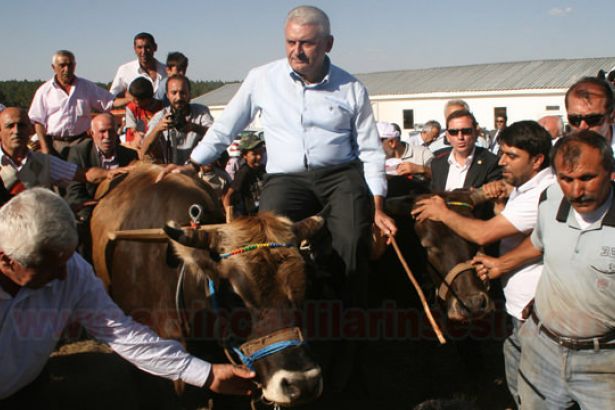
(432, 321)
(151, 234)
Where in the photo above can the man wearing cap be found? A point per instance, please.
(323, 145)
(245, 192)
(403, 159)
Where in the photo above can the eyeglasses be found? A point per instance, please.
(464, 131)
(591, 120)
(500, 121)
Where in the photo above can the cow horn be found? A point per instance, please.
(307, 227)
(190, 238)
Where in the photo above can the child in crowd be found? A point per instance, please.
(139, 111)
(243, 196)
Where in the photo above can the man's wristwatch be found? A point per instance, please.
(196, 167)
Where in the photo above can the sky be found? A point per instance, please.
(224, 39)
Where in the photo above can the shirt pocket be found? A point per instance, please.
(80, 108)
(332, 114)
(604, 274)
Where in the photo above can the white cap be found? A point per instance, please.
(386, 130)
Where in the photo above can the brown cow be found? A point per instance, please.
(448, 255)
(270, 281)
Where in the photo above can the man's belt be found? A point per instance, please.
(574, 343)
(69, 138)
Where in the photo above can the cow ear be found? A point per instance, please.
(307, 227)
(192, 238)
(399, 206)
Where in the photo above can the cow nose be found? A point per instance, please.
(290, 389)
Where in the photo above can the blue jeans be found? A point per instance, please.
(554, 377)
(512, 355)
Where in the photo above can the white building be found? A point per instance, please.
(524, 90)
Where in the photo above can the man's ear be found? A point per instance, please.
(6, 262)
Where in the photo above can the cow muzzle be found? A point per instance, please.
(288, 375)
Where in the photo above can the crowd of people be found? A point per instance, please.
(321, 148)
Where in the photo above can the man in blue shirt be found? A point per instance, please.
(323, 149)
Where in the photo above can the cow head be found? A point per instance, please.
(466, 297)
(459, 288)
(271, 281)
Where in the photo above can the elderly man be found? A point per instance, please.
(524, 158)
(429, 133)
(567, 346)
(61, 107)
(464, 165)
(403, 159)
(590, 106)
(323, 146)
(554, 126)
(175, 130)
(144, 66)
(21, 168)
(102, 151)
(41, 273)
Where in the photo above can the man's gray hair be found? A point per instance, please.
(62, 53)
(460, 103)
(429, 125)
(310, 15)
(34, 223)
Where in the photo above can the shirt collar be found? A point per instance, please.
(453, 161)
(158, 65)
(563, 212)
(5, 159)
(297, 77)
(535, 180)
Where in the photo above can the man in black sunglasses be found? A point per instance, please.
(464, 165)
(590, 106)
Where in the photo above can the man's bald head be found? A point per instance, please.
(104, 133)
(15, 130)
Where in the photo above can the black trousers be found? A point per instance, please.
(349, 213)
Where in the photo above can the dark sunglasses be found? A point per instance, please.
(591, 120)
(464, 131)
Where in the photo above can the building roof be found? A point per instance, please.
(520, 75)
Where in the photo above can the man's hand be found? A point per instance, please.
(175, 169)
(497, 189)
(433, 208)
(487, 267)
(164, 124)
(408, 168)
(229, 379)
(384, 222)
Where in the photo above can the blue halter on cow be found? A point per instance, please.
(256, 257)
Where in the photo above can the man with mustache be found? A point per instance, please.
(568, 345)
(524, 148)
(61, 107)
